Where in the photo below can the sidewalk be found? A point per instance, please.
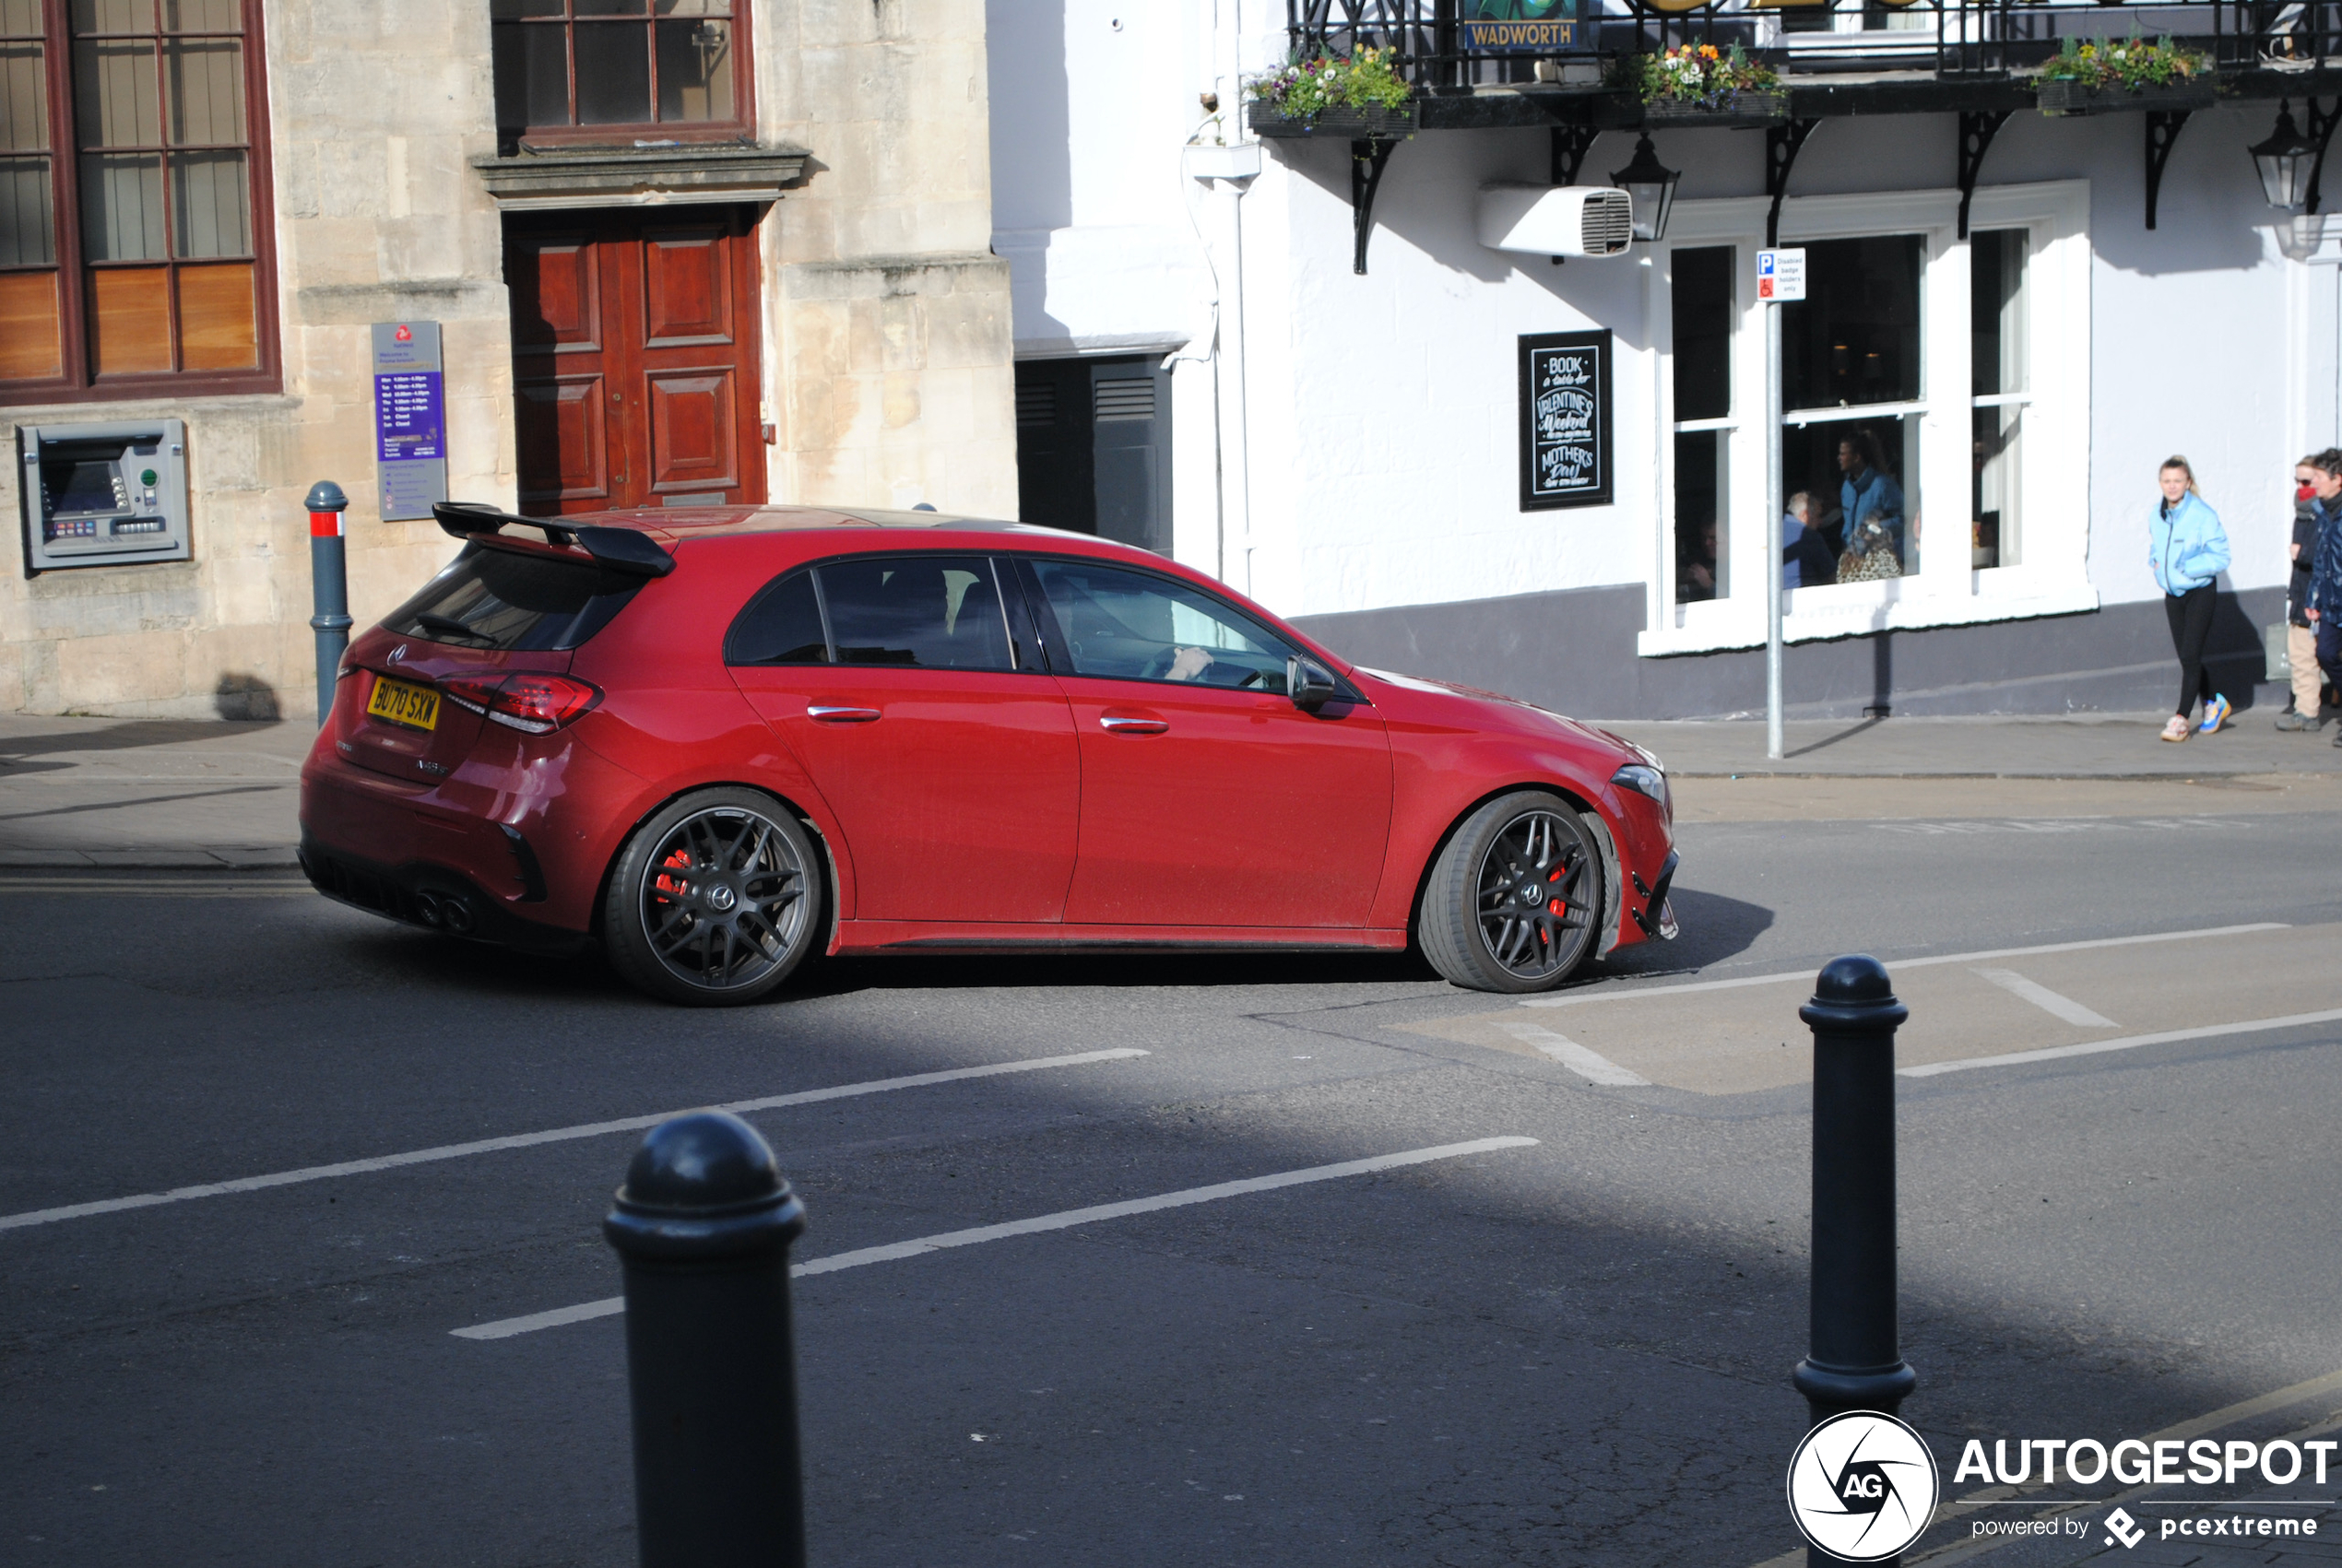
(77, 793)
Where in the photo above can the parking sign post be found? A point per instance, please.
(1780, 279)
(703, 1226)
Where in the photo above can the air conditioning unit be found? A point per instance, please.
(1556, 220)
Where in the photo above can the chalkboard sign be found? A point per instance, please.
(1564, 420)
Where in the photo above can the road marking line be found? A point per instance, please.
(2048, 1001)
(1620, 993)
(555, 1135)
(1586, 1064)
(2092, 1047)
(157, 889)
(505, 1328)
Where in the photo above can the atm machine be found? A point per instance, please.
(103, 495)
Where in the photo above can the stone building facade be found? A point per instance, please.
(562, 197)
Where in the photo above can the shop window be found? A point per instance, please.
(1997, 362)
(1702, 296)
(1853, 400)
(132, 167)
(580, 70)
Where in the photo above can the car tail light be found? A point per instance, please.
(527, 700)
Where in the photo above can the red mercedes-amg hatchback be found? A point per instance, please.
(715, 742)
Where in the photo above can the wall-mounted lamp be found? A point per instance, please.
(2283, 162)
(1651, 186)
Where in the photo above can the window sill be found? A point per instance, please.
(1855, 609)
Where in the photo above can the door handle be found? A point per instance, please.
(840, 715)
(1123, 723)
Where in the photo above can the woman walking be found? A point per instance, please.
(2188, 549)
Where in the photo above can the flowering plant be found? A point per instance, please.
(1307, 88)
(1696, 73)
(2131, 63)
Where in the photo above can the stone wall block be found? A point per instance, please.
(109, 672)
(901, 399)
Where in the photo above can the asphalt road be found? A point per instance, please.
(1574, 1350)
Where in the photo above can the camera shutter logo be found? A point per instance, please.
(1862, 1486)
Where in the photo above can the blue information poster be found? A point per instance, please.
(410, 419)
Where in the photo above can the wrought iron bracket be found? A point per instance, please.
(1976, 133)
(1782, 144)
(2322, 124)
(1570, 145)
(1367, 158)
(2162, 129)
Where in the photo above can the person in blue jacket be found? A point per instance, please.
(2321, 601)
(1869, 488)
(2187, 550)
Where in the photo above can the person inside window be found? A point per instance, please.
(1868, 487)
(1805, 560)
(1697, 580)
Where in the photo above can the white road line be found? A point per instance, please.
(2092, 1047)
(529, 1140)
(504, 1328)
(158, 889)
(2048, 1001)
(1625, 993)
(1588, 1065)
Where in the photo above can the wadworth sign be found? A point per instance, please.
(1538, 25)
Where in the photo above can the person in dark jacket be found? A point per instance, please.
(2300, 640)
(2324, 593)
(1868, 487)
(2187, 550)
(1805, 560)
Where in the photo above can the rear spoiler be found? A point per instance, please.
(621, 549)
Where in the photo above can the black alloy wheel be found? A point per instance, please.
(1515, 899)
(715, 900)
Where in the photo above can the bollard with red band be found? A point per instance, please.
(329, 588)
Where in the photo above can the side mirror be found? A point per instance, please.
(1309, 683)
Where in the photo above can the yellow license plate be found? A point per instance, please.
(416, 707)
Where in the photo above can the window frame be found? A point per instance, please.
(740, 127)
(1947, 590)
(78, 382)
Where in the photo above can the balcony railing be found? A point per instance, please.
(1448, 45)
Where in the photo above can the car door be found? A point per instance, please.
(947, 758)
(1208, 798)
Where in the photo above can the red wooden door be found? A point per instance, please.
(634, 360)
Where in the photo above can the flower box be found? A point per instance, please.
(1340, 124)
(2057, 97)
(1731, 109)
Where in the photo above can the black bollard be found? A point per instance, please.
(1853, 1360)
(703, 1226)
(328, 588)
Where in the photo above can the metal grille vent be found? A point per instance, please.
(1609, 219)
(1036, 403)
(1128, 400)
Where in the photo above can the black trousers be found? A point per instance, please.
(2191, 617)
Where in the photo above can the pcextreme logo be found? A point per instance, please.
(1862, 1486)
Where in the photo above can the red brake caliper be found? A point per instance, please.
(679, 861)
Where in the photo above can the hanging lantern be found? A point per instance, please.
(2283, 162)
(1650, 185)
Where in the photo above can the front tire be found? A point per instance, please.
(1514, 900)
(715, 900)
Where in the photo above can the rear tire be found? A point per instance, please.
(1515, 899)
(715, 900)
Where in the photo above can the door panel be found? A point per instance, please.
(663, 313)
(691, 445)
(560, 437)
(686, 290)
(1241, 810)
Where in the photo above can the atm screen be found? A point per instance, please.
(76, 486)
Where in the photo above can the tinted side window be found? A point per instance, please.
(933, 612)
(1133, 626)
(781, 626)
(503, 599)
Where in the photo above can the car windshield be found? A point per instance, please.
(508, 601)
(1135, 626)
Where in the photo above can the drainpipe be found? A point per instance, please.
(1227, 171)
